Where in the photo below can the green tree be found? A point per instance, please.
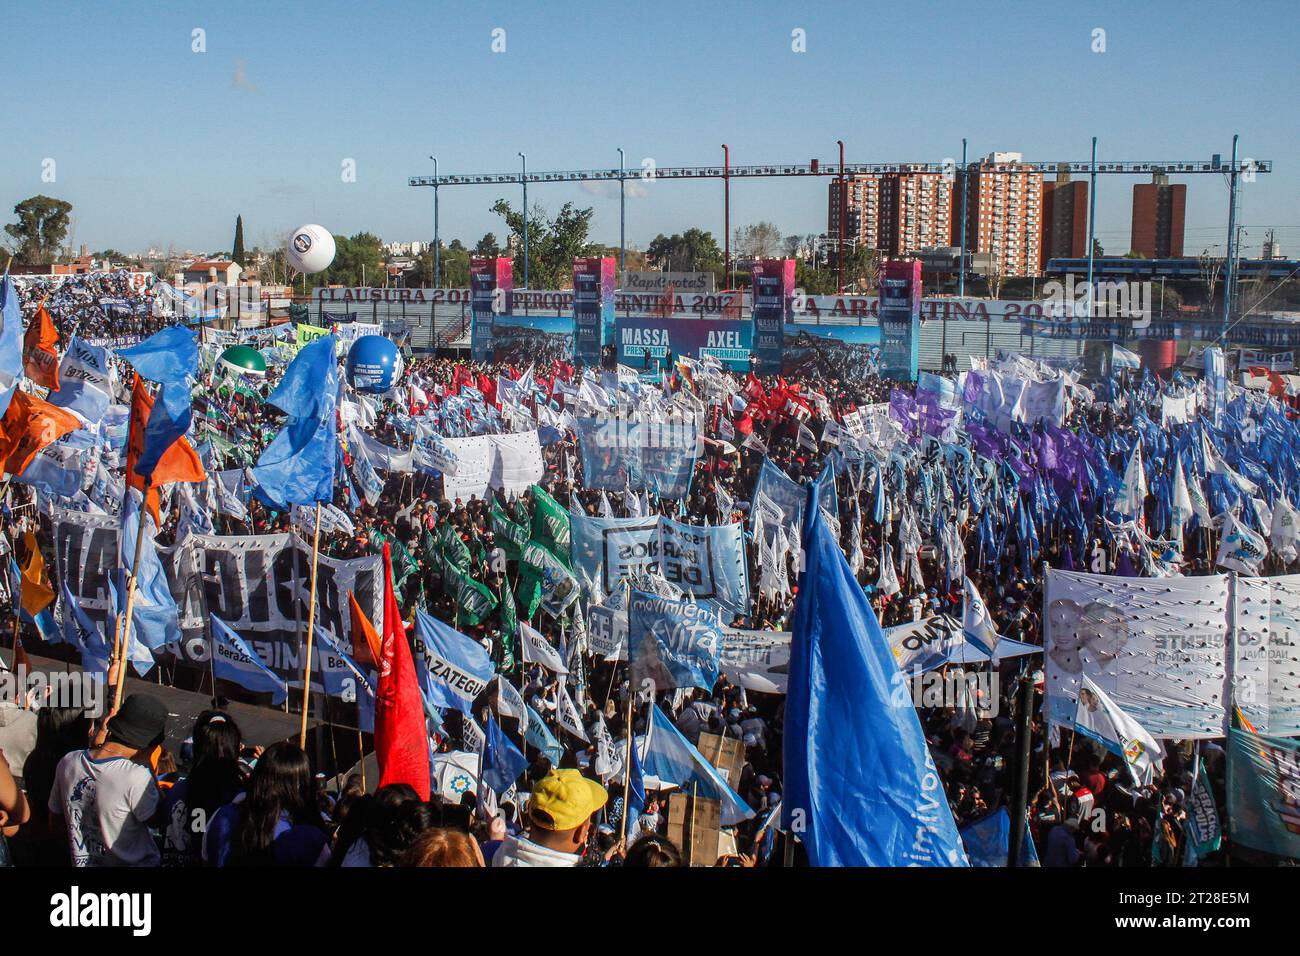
(762, 240)
(691, 251)
(237, 254)
(553, 244)
(358, 260)
(487, 246)
(41, 228)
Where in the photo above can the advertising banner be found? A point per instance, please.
(491, 282)
(649, 343)
(594, 279)
(900, 320)
(773, 293)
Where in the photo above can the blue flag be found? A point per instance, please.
(84, 635)
(144, 619)
(539, 735)
(154, 614)
(634, 799)
(342, 677)
(298, 466)
(861, 788)
(169, 357)
(11, 342)
(988, 841)
(671, 757)
(451, 668)
(679, 642)
(502, 763)
(83, 381)
(234, 660)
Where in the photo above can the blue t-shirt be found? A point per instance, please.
(292, 845)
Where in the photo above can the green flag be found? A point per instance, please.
(510, 535)
(545, 580)
(551, 524)
(509, 625)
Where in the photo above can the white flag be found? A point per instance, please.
(976, 625)
(566, 713)
(538, 650)
(1098, 716)
(1133, 493)
(510, 703)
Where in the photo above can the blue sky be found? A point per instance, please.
(156, 144)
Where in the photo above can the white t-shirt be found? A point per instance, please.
(106, 805)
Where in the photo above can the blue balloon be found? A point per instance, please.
(374, 364)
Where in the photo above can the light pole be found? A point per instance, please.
(1230, 263)
(965, 214)
(1092, 221)
(622, 219)
(726, 213)
(843, 206)
(523, 178)
(437, 252)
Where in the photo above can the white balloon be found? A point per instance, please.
(310, 249)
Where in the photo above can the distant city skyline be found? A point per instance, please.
(156, 144)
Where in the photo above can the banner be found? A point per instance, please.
(758, 661)
(677, 643)
(1264, 792)
(594, 282)
(900, 315)
(707, 563)
(252, 583)
(1156, 647)
(452, 669)
(773, 299)
(649, 344)
(512, 463)
(850, 353)
(645, 456)
(491, 283)
(1266, 652)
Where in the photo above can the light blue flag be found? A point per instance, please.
(539, 735)
(451, 668)
(678, 642)
(84, 635)
(342, 677)
(154, 613)
(1263, 776)
(169, 357)
(55, 471)
(235, 661)
(297, 468)
(861, 788)
(502, 762)
(988, 841)
(137, 653)
(11, 342)
(671, 757)
(83, 381)
(634, 799)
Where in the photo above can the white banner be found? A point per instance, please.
(513, 463)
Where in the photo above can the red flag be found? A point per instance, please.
(401, 740)
(488, 386)
(41, 350)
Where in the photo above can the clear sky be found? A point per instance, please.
(156, 144)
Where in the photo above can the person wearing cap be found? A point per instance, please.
(106, 796)
(559, 814)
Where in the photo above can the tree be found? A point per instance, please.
(237, 254)
(762, 240)
(553, 244)
(1097, 251)
(357, 260)
(41, 227)
(861, 269)
(691, 251)
(487, 246)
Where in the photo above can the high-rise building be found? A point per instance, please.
(1004, 213)
(1065, 219)
(1159, 208)
(895, 213)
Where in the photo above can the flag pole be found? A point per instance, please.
(627, 766)
(124, 627)
(311, 623)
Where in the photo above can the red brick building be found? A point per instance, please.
(1159, 210)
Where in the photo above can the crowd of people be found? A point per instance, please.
(107, 792)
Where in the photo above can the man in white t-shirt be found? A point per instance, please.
(105, 797)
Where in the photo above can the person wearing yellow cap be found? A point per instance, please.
(559, 816)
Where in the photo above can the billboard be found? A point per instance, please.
(773, 293)
(649, 344)
(849, 353)
(900, 320)
(523, 340)
(491, 282)
(594, 278)
(650, 283)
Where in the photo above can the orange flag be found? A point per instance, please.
(37, 594)
(367, 649)
(180, 462)
(29, 425)
(41, 350)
